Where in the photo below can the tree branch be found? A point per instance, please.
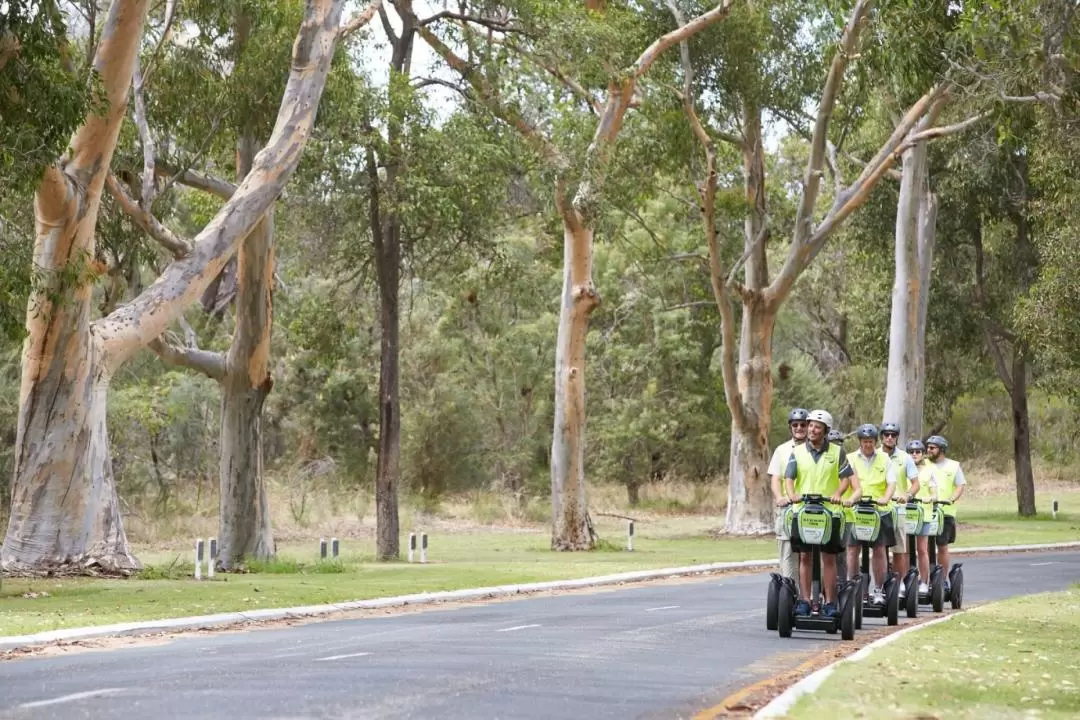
(146, 199)
(209, 363)
(176, 245)
(499, 25)
(166, 30)
(677, 35)
(200, 181)
(375, 6)
(943, 131)
(384, 18)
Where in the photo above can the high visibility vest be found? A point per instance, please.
(821, 477)
(946, 483)
(899, 460)
(874, 481)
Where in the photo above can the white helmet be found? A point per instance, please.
(822, 417)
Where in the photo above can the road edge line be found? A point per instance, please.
(781, 705)
(200, 622)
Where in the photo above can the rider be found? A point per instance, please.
(876, 476)
(818, 467)
(907, 485)
(927, 490)
(950, 486)
(797, 428)
(836, 438)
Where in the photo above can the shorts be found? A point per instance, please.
(947, 536)
(900, 538)
(835, 544)
(885, 538)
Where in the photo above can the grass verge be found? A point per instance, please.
(1017, 658)
(456, 560)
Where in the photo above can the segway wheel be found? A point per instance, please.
(892, 602)
(957, 588)
(937, 591)
(847, 620)
(857, 601)
(772, 605)
(785, 614)
(911, 599)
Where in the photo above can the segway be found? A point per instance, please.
(954, 588)
(866, 528)
(911, 517)
(931, 527)
(815, 526)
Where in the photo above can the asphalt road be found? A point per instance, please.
(657, 651)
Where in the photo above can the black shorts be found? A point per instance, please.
(835, 544)
(886, 536)
(947, 536)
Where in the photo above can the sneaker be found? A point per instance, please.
(830, 610)
(903, 591)
(802, 607)
(946, 587)
(924, 588)
(877, 597)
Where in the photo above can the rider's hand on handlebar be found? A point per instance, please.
(836, 497)
(783, 502)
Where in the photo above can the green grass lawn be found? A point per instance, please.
(1018, 658)
(455, 560)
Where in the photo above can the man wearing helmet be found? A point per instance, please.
(797, 428)
(877, 480)
(950, 487)
(836, 437)
(818, 467)
(907, 485)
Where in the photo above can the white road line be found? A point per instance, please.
(342, 657)
(71, 698)
(1045, 563)
(517, 627)
(665, 607)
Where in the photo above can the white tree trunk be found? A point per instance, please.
(65, 512)
(916, 216)
(569, 511)
(750, 505)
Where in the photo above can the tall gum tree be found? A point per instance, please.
(571, 527)
(65, 513)
(747, 374)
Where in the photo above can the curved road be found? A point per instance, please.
(655, 651)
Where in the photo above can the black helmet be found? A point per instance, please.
(939, 441)
(797, 415)
(866, 431)
(836, 437)
(914, 445)
(890, 427)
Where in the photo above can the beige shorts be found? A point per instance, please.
(900, 537)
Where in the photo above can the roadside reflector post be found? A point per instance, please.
(322, 548)
(423, 547)
(1053, 513)
(630, 535)
(334, 547)
(412, 545)
(211, 559)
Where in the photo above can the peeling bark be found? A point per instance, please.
(569, 512)
(65, 512)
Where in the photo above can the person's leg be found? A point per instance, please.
(805, 574)
(944, 540)
(923, 548)
(828, 576)
(879, 565)
(854, 563)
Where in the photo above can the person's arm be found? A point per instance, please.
(848, 478)
(890, 482)
(960, 482)
(774, 476)
(790, 473)
(912, 473)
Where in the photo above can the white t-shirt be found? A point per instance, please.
(780, 457)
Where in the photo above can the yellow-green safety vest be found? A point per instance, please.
(817, 478)
(927, 473)
(874, 482)
(899, 460)
(946, 483)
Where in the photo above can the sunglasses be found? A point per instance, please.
(798, 425)
(890, 434)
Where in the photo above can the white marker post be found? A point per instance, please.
(211, 560)
(1053, 511)
(334, 548)
(322, 548)
(199, 546)
(423, 547)
(630, 535)
(412, 545)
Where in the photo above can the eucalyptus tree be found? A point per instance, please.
(65, 513)
(605, 44)
(229, 71)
